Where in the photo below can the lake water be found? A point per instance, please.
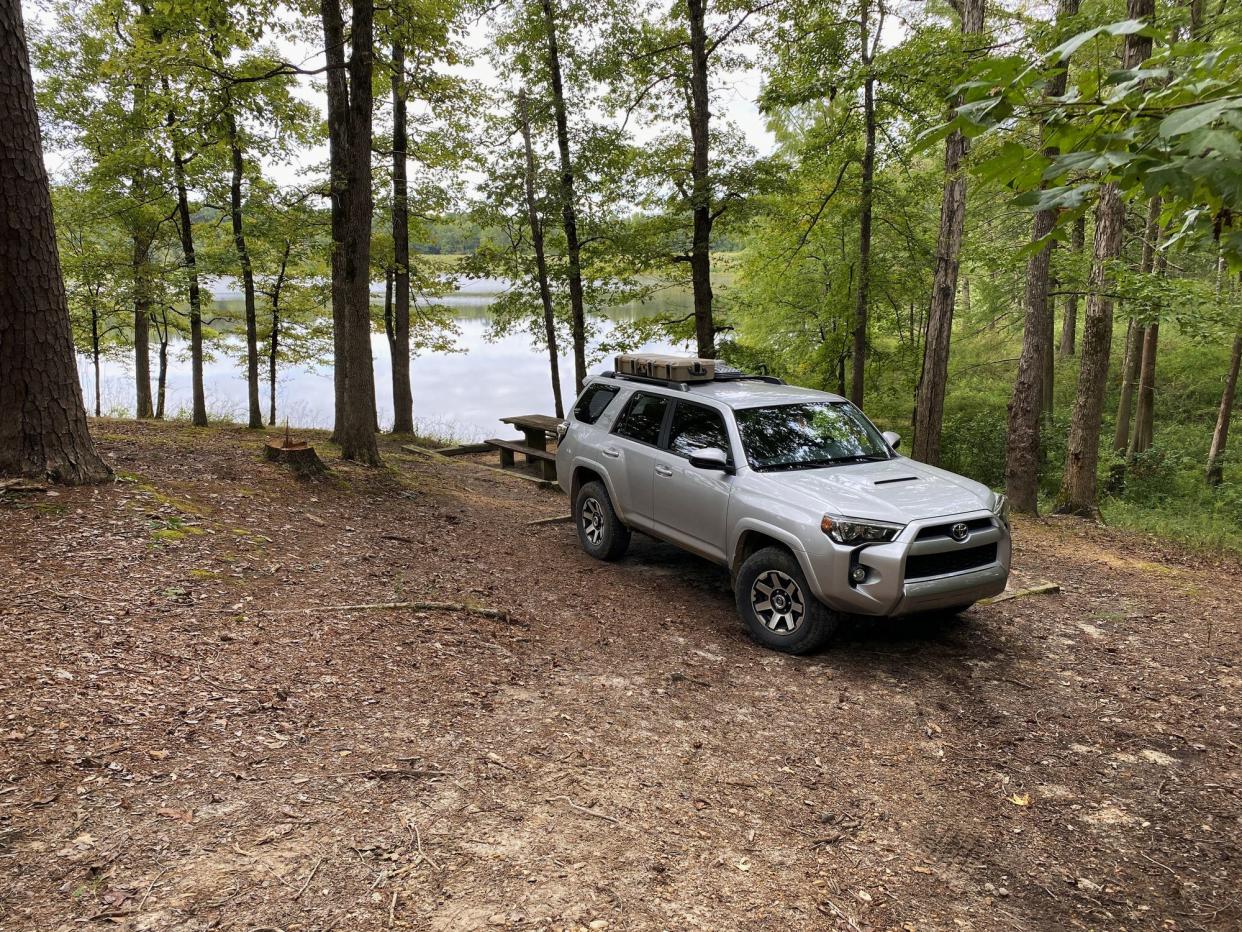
(461, 394)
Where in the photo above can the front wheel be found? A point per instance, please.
(777, 605)
(600, 531)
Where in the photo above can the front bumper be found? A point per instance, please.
(937, 577)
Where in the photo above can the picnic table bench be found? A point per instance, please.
(535, 428)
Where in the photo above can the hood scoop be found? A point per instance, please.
(897, 479)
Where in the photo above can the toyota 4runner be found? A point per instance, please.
(795, 491)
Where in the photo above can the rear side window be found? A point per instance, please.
(593, 402)
(642, 418)
(694, 427)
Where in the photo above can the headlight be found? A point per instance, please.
(1001, 509)
(856, 531)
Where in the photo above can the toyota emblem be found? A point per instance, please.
(959, 532)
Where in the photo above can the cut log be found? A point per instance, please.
(298, 456)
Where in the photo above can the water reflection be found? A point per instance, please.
(460, 394)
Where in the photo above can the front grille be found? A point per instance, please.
(943, 530)
(920, 566)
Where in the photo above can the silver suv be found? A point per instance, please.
(809, 506)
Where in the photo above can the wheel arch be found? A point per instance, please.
(590, 472)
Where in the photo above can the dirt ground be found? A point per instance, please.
(203, 731)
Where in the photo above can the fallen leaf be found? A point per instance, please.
(157, 755)
(181, 815)
(1020, 799)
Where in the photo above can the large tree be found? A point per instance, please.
(43, 431)
(929, 406)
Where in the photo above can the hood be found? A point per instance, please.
(899, 490)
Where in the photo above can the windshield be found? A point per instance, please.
(802, 436)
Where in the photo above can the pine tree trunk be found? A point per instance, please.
(1078, 485)
(569, 211)
(866, 196)
(1069, 326)
(701, 190)
(273, 344)
(243, 258)
(1032, 390)
(161, 382)
(95, 354)
(541, 265)
(43, 430)
(402, 396)
(929, 408)
(349, 148)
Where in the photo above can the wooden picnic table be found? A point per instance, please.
(536, 427)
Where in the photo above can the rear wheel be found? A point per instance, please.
(777, 605)
(600, 531)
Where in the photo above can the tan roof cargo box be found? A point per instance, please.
(669, 368)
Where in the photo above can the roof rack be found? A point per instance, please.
(676, 386)
(729, 375)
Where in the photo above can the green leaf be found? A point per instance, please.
(1192, 118)
(1070, 46)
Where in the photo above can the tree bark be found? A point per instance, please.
(243, 258)
(43, 431)
(541, 265)
(95, 354)
(866, 197)
(273, 345)
(1032, 389)
(161, 380)
(189, 259)
(1129, 377)
(929, 409)
(1220, 436)
(141, 261)
(349, 148)
(1078, 485)
(402, 396)
(701, 188)
(569, 211)
(1069, 325)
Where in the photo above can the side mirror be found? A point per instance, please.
(710, 458)
(892, 439)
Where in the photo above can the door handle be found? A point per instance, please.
(611, 451)
(664, 470)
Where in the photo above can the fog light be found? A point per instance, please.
(858, 574)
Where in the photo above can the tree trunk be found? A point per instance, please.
(43, 430)
(541, 266)
(189, 259)
(1032, 390)
(95, 355)
(161, 381)
(1069, 326)
(142, 325)
(273, 345)
(929, 410)
(569, 212)
(1078, 486)
(1220, 436)
(1144, 412)
(1022, 453)
(402, 396)
(1129, 377)
(701, 190)
(866, 197)
(349, 148)
(243, 257)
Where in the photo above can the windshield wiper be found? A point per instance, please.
(820, 463)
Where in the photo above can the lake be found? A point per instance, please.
(461, 394)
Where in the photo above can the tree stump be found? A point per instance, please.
(298, 455)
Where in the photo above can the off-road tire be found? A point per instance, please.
(601, 533)
(777, 605)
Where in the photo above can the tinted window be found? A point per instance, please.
(694, 427)
(642, 418)
(801, 436)
(594, 402)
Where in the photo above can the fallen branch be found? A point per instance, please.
(481, 610)
(309, 877)
(557, 520)
(1038, 589)
(584, 810)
